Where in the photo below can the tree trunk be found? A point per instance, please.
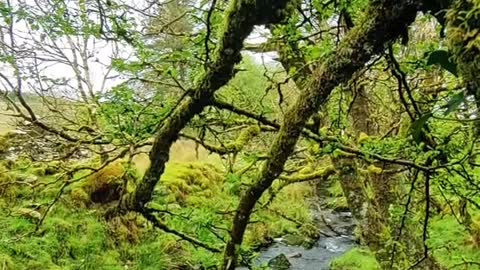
(241, 17)
(385, 20)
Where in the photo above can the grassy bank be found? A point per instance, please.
(196, 197)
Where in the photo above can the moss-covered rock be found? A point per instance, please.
(280, 262)
(293, 239)
(103, 186)
(183, 179)
(126, 228)
(336, 199)
(29, 214)
(355, 259)
(5, 142)
(39, 171)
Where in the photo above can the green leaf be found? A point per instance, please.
(314, 53)
(417, 127)
(442, 58)
(454, 102)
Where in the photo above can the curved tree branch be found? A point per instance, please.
(384, 22)
(241, 17)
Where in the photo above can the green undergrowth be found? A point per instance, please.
(336, 199)
(199, 199)
(357, 258)
(4, 142)
(194, 198)
(454, 246)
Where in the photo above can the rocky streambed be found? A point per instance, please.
(336, 239)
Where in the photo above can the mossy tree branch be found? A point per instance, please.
(383, 22)
(240, 19)
(315, 136)
(286, 180)
(162, 226)
(233, 147)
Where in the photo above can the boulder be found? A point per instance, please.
(279, 262)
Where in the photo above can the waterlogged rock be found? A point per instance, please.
(298, 240)
(293, 240)
(309, 243)
(279, 262)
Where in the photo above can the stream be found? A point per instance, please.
(336, 239)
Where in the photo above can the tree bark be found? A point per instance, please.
(383, 22)
(241, 17)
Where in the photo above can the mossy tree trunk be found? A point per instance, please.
(352, 183)
(463, 32)
(383, 22)
(241, 17)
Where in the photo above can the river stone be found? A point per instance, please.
(279, 262)
(295, 255)
(293, 239)
(299, 240)
(308, 243)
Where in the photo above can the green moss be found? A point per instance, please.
(183, 179)
(8, 188)
(363, 137)
(53, 167)
(103, 186)
(245, 136)
(446, 232)
(40, 171)
(290, 202)
(374, 169)
(336, 199)
(355, 259)
(80, 197)
(464, 41)
(75, 237)
(6, 262)
(4, 142)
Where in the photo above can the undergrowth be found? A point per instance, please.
(195, 198)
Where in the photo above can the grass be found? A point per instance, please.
(453, 246)
(357, 258)
(196, 196)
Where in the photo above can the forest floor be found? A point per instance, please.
(76, 235)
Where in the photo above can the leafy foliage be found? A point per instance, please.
(93, 82)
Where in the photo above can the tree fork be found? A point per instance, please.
(241, 17)
(385, 21)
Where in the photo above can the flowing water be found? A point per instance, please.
(336, 239)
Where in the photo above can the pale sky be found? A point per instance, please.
(57, 53)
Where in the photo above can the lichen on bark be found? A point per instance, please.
(240, 19)
(383, 22)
